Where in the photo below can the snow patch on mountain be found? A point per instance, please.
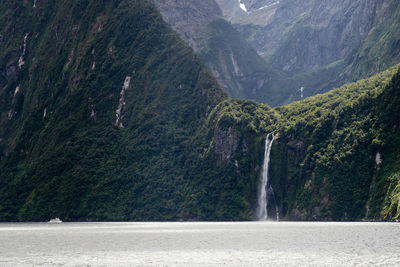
(242, 6)
(270, 5)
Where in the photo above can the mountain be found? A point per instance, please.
(335, 155)
(107, 114)
(187, 17)
(319, 44)
(338, 149)
(100, 105)
(240, 71)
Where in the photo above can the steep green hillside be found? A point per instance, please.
(387, 182)
(97, 121)
(336, 156)
(330, 151)
(106, 114)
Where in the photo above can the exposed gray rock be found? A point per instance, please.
(238, 68)
(187, 16)
(296, 151)
(225, 143)
(321, 44)
(233, 11)
(298, 214)
(308, 33)
(316, 213)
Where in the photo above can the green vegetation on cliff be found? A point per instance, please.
(341, 136)
(96, 124)
(336, 154)
(105, 114)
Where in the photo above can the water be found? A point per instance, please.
(265, 189)
(200, 244)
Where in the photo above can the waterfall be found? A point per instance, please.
(265, 188)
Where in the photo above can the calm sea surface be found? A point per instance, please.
(200, 244)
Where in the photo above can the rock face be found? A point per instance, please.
(238, 68)
(380, 48)
(273, 48)
(326, 31)
(231, 9)
(188, 16)
(240, 9)
(226, 143)
(320, 44)
(313, 33)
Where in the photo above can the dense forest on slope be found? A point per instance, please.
(106, 114)
(95, 123)
(341, 139)
(336, 156)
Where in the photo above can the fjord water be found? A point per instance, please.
(200, 244)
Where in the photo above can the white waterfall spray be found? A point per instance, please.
(265, 189)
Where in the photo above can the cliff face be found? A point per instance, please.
(282, 51)
(380, 48)
(324, 33)
(312, 33)
(187, 17)
(238, 68)
(320, 44)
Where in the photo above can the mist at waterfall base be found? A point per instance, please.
(265, 190)
(256, 243)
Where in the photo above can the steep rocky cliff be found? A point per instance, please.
(320, 44)
(380, 48)
(187, 17)
(238, 68)
(258, 12)
(290, 49)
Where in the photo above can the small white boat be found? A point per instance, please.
(55, 220)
